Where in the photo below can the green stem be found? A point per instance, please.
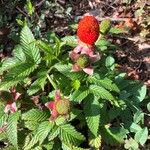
(52, 82)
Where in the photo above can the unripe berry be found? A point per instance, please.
(83, 61)
(63, 107)
(105, 26)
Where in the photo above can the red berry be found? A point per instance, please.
(88, 30)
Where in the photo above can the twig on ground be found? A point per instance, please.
(21, 11)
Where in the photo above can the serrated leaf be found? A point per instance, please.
(19, 54)
(114, 135)
(27, 42)
(23, 70)
(45, 46)
(9, 82)
(142, 136)
(66, 70)
(35, 115)
(54, 133)
(95, 142)
(103, 93)
(3, 119)
(105, 83)
(8, 64)
(18, 57)
(39, 83)
(92, 113)
(70, 40)
(80, 94)
(115, 30)
(68, 147)
(40, 134)
(11, 129)
(69, 135)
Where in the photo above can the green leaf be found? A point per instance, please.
(92, 113)
(103, 93)
(18, 58)
(39, 83)
(9, 82)
(27, 42)
(114, 113)
(105, 83)
(115, 30)
(131, 144)
(66, 70)
(135, 127)
(19, 54)
(103, 44)
(95, 142)
(69, 135)
(76, 84)
(3, 119)
(35, 115)
(45, 46)
(141, 136)
(40, 134)
(54, 133)
(138, 116)
(141, 93)
(68, 147)
(11, 129)
(109, 63)
(70, 40)
(114, 135)
(148, 106)
(23, 70)
(80, 94)
(30, 8)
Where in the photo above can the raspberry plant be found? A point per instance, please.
(104, 107)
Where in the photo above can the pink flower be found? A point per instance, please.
(15, 94)
(10, 107)
(83, 55)
(52, 105)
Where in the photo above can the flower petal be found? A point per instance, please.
(50, 105)
(77, 49)
(16, 95)
(74, 56)
(13, 107)
(54, 115)
(95, 57)
(57, 95)
(76, 68)
(10, 107)
(87, 50)
(88, 70)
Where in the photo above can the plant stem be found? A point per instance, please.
(52, 82)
